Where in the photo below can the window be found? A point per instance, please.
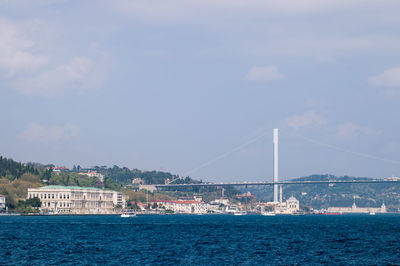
(67, 196)
(52, 196)
(45, 196)
(64, 196)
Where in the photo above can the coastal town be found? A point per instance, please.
(75, 200)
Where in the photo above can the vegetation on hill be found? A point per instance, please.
(16, 178)
(125, 176)
(17, 189)
(11, 169)
(343, 195)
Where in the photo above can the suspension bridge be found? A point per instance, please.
(275, 183)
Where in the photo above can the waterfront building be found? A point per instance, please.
(2, 203)
(183, 206)
(291, 206)
(223, 201)
(77, 200)
(198, 197)
(355, 209)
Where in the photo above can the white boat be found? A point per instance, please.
(268, 214)
(240, 213)
(128, 214)
(371, 213)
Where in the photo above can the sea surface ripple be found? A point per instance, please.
(200, 240)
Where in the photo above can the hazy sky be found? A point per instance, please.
(196, 86)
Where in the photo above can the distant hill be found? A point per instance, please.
(325, 195)
(114, 177)
(124, 176)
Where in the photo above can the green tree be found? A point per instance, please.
(34, 202)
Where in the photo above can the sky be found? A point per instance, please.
(195, 87)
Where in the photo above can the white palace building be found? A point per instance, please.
(77, 200)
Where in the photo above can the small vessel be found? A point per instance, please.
(331, 213)
(371, 213)
(299, 213)
(240, 213)
(268, 214)
(128, 214)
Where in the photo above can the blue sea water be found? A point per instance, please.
(200, 240)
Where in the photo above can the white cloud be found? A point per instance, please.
(350, 130)
(310, 118)
(264, 74)
(20, 48)
(38, 133)
(33, 66)
(388, 78)
(80, 73)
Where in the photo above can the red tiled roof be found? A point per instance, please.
(177, 201)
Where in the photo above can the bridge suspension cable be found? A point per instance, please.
(267, 133)
(236, 149)
(365, 155)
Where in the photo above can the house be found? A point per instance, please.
(2, 203)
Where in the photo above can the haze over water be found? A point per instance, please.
(200, 240)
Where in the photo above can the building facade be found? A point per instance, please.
(2, 203)
(291, 206)
(77, 200)
(183, 206)
(355, 209)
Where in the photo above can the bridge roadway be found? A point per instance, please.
(368, 181)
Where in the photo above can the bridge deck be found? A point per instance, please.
(372, 181)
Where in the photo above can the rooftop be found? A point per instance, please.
(69, 187)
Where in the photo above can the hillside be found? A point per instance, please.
(17, 177)
(325, 195)
(125, 176)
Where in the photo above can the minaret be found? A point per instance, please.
(275, 164)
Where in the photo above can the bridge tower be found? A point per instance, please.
(275, 141)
